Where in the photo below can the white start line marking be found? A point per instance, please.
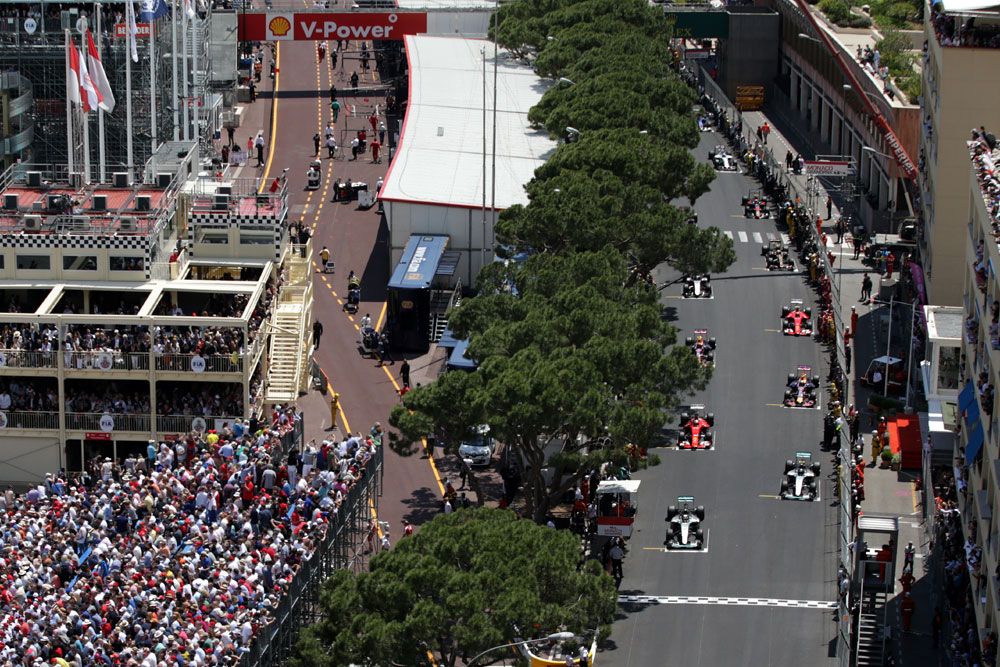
(737, 602)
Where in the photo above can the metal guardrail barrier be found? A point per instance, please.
(196, 363)
(106, 360)
(96, 422)
(342, 548)
(26, 359)
(30, 419)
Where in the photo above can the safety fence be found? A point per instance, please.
(342, 548)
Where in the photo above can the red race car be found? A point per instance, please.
(695, 431)
(796, 320)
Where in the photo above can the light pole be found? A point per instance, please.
(555, 637)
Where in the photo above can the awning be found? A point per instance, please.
(458, 358)
(448, 339)
(968, 5)
(419, 263)
(618, 486)
(972, 415)
(449, 263)
(967, 396)
(975, 443)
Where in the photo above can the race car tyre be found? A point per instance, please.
(700, 512)
(689, 342)
(815, 467)
(785, 486)
(744, 201)
(789, 464)
(685, 417)
(710, 418)
(711, 343)
(791, 378)
(671, 512)
(815, 380)
(809, 312)
(699, 535)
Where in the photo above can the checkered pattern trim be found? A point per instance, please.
(75, 241)
(224, 217)
(737, 602)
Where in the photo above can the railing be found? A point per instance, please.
(96, 422)
(26, 359)
(196, 363)
(346, 530)
(106, 360)
(186, 423)
(29, 419)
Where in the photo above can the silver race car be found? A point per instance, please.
(684, 530)
(801, 478)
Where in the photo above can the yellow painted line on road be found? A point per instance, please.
(775, 405)
(652, 548)
(381, 316)
(274, 119)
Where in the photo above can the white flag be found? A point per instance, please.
(72, 72)
(98, 75)
(88, 91)
(131, 30)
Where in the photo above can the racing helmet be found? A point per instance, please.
(700, 340)
(803, 377)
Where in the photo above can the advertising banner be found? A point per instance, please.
(261, 27)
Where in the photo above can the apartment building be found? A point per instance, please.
(960, 62)
(980, 360)
(138, 311)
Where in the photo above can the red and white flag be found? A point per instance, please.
(73, 77)
(98, 75)
(88, 91)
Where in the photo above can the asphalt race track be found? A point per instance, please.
(760, 595)
(357, 242)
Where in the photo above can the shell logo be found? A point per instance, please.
(279, 26)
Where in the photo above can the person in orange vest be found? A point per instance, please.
(819, 225)
(883, 556)
(854, 319)
(906, 609)
(907, 581)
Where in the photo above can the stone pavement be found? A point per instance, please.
(887, 492)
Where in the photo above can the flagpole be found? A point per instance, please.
(184, 55)
(196, 114)
(101, 157)
(173, 62)
(85, 128)
(152, 85)
(69, 108)
(128, 107)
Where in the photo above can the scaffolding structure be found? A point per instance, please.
(39, 57)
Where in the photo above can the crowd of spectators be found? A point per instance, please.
(871, 61)
(111, 398)
(983, 150)
(962, 571)
(219, 400)
(29, 337)
(178, 557)
(952, 30)
(19, 395)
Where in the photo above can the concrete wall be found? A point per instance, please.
(463, 225)
(27, 459)
(962, 94)
(469, 23)
(750, 55)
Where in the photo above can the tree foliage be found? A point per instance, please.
(572, 345)
(465, 582)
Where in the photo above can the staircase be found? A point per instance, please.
(871, 636)
(441, 302)
(291, 329)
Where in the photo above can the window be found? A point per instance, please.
(126, 264)
(250, 237)
(213, 236)
(34, 263)
(948, 367)
(79, 263)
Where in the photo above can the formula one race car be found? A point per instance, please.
(684, 525)
(796, 320)
(800, 389)
(722, 159)
(776, 257)
(702, 346)
(801, 478)
(695, 430)
(756, 206)
(698, 286)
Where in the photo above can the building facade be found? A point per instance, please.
(959, 92)
(131, 312)
(979, 443)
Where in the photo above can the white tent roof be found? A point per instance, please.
(446, 4)
(440, 154)
(618, 486)
(969, 5)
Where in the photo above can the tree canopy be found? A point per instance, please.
(467, 581)
(572, 344)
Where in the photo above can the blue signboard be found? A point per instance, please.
(419, 262)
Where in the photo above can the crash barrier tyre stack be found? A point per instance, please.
(342, 548)
(769, 170)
